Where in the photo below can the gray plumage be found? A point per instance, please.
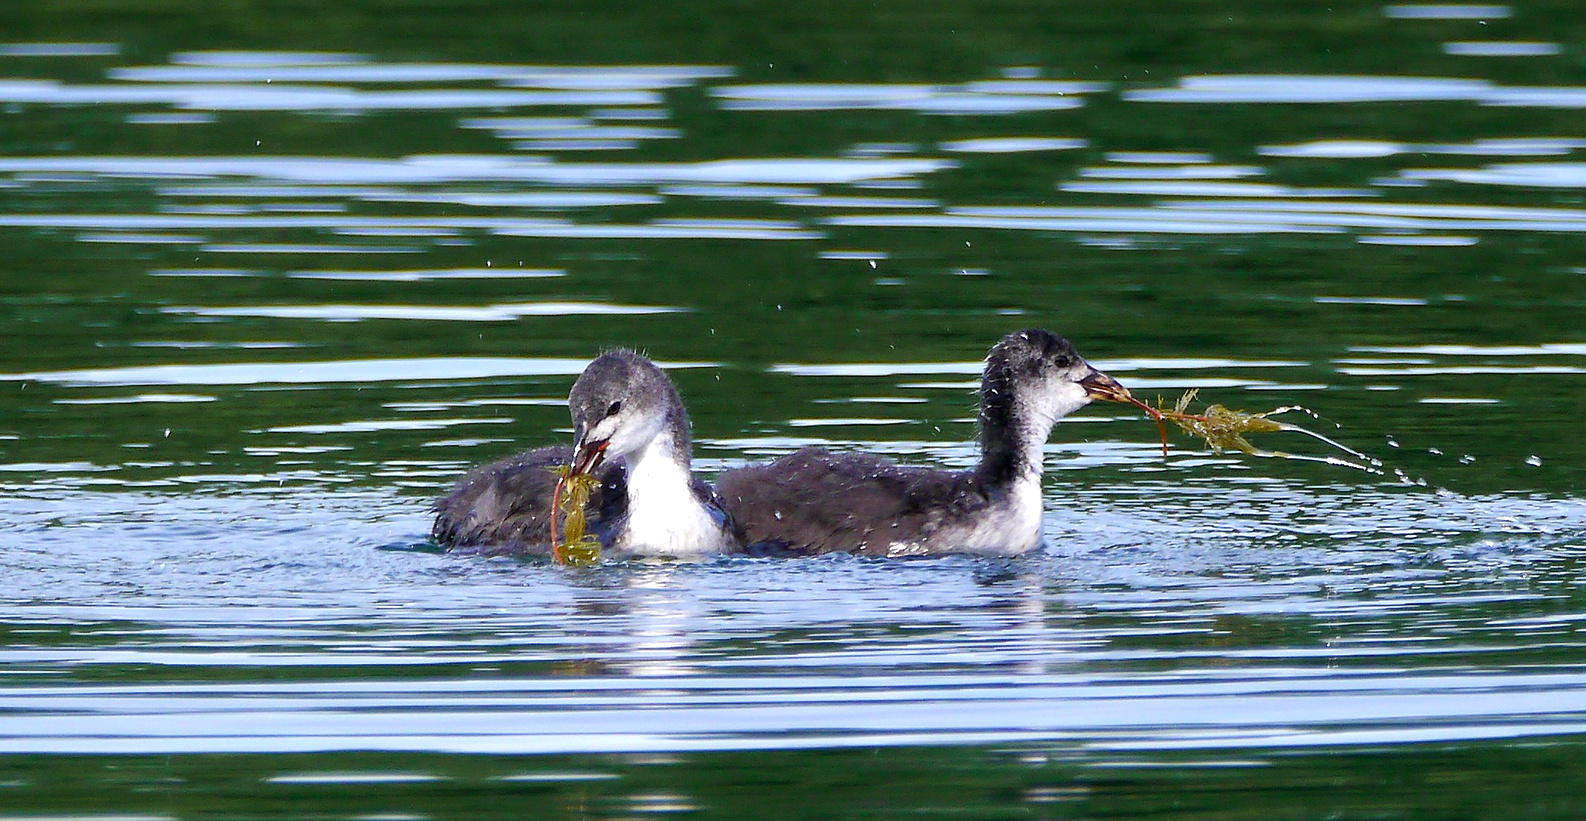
(505, 506)
(815, 501)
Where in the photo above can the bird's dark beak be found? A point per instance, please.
(1101, 386)
(588, 456)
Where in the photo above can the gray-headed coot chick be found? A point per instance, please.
(632, 432)
(816, 501)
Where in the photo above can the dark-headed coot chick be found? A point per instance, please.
(632, 432)
(815, 501)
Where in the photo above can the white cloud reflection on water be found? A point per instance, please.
(1505, 147)
(1333, 89)
(570, 78)
(419, 275)
(325, 372)
(1511, 48)
(1447, 11)
(1530, 175)
(985, 97)
(435, 169)
(1301, 88)
(430, 313)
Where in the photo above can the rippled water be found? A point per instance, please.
(272, 283)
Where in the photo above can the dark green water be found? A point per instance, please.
(275, 274)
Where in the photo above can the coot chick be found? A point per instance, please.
(632, 432)
(815, 501)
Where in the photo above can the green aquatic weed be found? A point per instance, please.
(1223, 429)
(570, 544)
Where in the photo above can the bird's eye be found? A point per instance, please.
(1061, 361)
(615, 408)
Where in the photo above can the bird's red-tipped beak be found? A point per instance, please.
(1101, 386)
(588, 456)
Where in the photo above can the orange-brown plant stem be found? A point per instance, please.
(556, 504)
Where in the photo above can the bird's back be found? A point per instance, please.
(815, 501)
(506, 505)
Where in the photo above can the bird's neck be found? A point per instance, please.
(658, 467)
(665, 516)
(1012, 433)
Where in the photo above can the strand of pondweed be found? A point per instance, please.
(1223, 429)
(570, 544)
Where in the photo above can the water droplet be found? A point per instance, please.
(1534, 460)
(1466, 459)
(1434, 451)
(1392, 442)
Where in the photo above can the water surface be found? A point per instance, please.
(272, 283)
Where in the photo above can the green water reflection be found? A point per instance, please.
(1535, 782)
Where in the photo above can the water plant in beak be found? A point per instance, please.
(1223, 429)
(571, 544)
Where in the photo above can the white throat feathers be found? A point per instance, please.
(665, 518)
